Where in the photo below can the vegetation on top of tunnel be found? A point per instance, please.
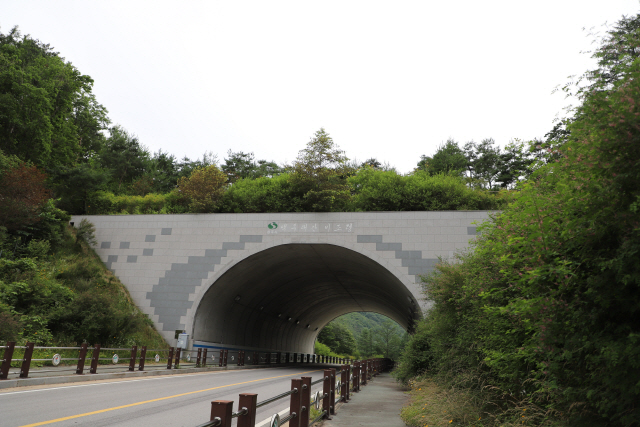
(537, 324)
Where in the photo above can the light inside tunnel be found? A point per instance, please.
(288, 293)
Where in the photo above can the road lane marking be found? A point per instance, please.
(108, 381)
(103, 381)
(156, 400)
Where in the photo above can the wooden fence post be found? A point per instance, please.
(222, 409)
(81, 357)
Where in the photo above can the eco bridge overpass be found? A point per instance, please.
(271, 282)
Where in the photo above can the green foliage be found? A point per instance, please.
(67, 298)
(48, 115)
(322, 349)
(86, 232)
(547, 303)
(319, 173)
(277, 194)
(204, 188)
(38, 249)
(102, 202)
(376, 190)
(448, 159)
(124, 157)
(338, 338)
(242, 165)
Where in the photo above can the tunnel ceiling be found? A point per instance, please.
(250, 305)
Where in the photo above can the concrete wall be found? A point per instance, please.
(170, 262)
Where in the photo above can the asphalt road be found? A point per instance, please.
(173, 400)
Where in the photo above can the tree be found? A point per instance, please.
(449, 158)
(366, 343)
(338, 338)
(124, 157)
(483, 162)
(241, 165)
(48, 115)
(76, 185)
(22, 194)
(163, 172)
(204, 188)
(320, 173)
(387, 340)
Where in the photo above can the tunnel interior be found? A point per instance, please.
(279, 299)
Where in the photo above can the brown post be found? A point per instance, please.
(132, 359)
(222, 409)
(6, 360)
(143, 358)
(344, 383)
(94, 359)
(226, 357)
(204, 358)
(326, 390)
(295, 405)
(221, 361)
(366, 372)
(348, 395)
(26, 360)
(333, 391)
(176, 363)
(81, 357)
(170, 358)
(248, 401)
(256, 358)
(199, 359)
(305, 401)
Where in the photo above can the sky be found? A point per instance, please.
(392, 80)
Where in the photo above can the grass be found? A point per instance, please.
(435, 402)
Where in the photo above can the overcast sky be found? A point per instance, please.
(390, 80)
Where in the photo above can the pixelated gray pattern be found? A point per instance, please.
(170, 297)
(413, 260)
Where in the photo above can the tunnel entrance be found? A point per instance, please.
(279, 299)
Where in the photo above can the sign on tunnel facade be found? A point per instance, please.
(272, 281)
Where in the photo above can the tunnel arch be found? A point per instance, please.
(281, 297)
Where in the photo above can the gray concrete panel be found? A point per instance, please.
(150, 238)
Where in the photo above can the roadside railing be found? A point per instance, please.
(337, 385)
(89, 359)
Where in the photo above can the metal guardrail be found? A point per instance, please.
(352, 377)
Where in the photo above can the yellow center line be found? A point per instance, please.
(155, 400)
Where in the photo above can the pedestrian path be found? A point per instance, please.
(377, 404)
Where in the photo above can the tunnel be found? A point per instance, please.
(279, 299)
